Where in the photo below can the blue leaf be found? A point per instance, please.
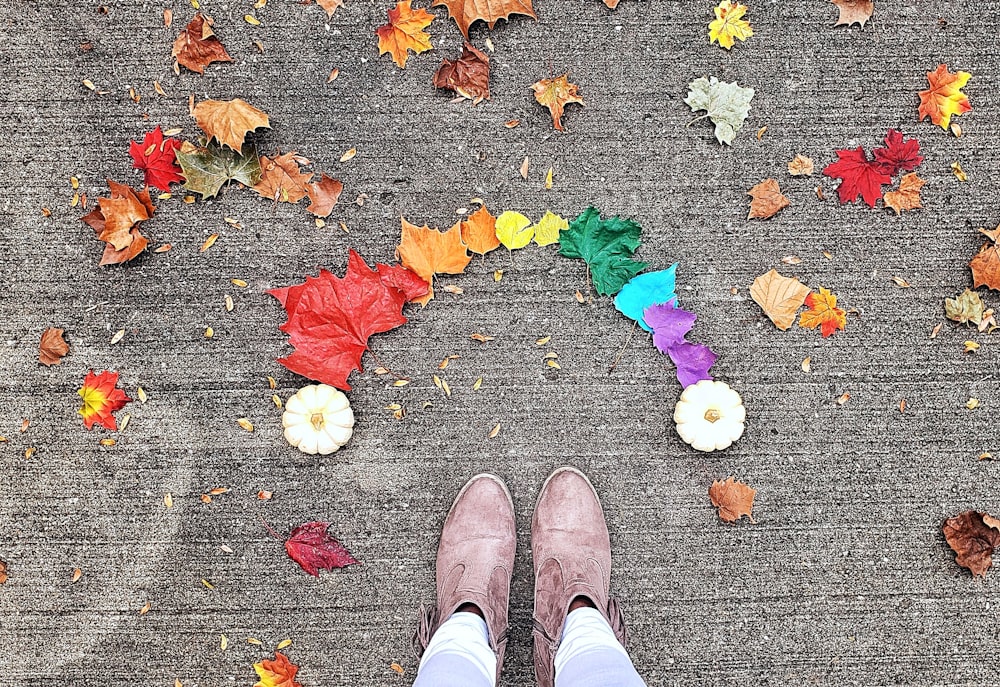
(644, 290)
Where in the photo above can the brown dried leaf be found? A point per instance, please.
(330, 6)
(973, 536)
(854, 11)
(800, 166)
(229, 121)
(467, 12)
(52, 347)
(908, 195)
(986, 264)
(468, 76)
(197, 46)
(780, 297)
(767, 200)
(733, 499)
(556, 94)
(323, 195)
(281, 180)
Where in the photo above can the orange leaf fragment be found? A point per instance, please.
(823, 313)
(281, 179)
(767, 200)
(197, 46)
(330, 6)
(986, 264)
(973, 536)
(404, 32)
(428, 251)
(944, 98)
(52, 347)
(467, 12)
(555, 94)
(479, 232)
(733, 499)
(908, 195)
(854, 11)
(229, 121)
(323, 195)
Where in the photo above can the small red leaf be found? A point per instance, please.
(311, 547)
(898, 155)
(157, 158)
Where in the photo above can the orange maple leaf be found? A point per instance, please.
(479, 232)
(944, 98)
(986, 264)
(823, 313)
(228, 121)
(467, 12)
(277, 673)
(767, 200)
(115, 218)
(281, 180)
(101, 397)
(428, 251)
(733, 499)
(555, 94)
(405, 31)
(908, 195)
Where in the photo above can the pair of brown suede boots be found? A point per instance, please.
(571, 552)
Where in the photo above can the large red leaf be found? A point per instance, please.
(331, 318)
(859, 176)
(310, 546)
(898, 154)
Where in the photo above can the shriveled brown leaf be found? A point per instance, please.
(556, 94)
(281, 180)
(323, 195)
(229, 121)
(197, 46)
(767, 200)
(854, 11)
(733, 499)
(986, 264)
(973, 536)
(52, 347)
(800, 166)
(908, 195)
(780, 297)
(468, 76)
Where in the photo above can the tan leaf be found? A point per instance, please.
(467, 12)
(733, 499)
(323, 195)
(908, 195)
(780, 297)
(330, 6)
(854, 11)
(767, 200)
(800, 166)
(555, 94)
(52, 347)
(228, 121)
(281, 180)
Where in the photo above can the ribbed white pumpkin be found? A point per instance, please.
(318, 419)
(710, 416)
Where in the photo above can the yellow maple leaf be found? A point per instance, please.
(404, 32)
(823, 313)
(729, 24)
(944, 98)
(548, 228)
(514, 230)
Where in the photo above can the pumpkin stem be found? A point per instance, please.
(713, 415)
(317, 421)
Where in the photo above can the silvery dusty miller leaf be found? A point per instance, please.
(207, 169)
(727, 105)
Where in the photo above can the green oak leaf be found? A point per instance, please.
(606, 245)
(727, 105)
(967, 307)
(207, 169)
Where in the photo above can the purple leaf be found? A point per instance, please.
(693, 362)
(669, 323)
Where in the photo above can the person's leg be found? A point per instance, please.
(458, 655)
(579, 631)
(462, 640)
(590, 655)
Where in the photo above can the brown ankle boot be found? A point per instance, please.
(474, 562)
(572, 557)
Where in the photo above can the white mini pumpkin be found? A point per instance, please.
(709, 416)
(318, 419)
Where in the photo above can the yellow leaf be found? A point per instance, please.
(944, 98)
(514, 230)
(548, 228)
(729, 24)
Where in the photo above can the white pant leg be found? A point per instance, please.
(590, 655)
(458, 655)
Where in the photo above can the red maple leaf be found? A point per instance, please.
(310, 546)
(157, 157)
(330, 318)
(101, 397)
(898, 155)
(858, 175)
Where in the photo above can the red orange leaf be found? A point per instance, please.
(986, 264)
(467, 12)
(859, 176)
(157, 158)
(428, 252)
(330, 319)
(101, 398)
(277, 673)
(311, 547)
(197, 46)
(404, 32)
(823, 313)
(115, 219)
(944, 98)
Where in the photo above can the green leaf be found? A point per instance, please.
(206, 170)
(606, 245)
(727, 105)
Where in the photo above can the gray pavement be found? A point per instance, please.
(844, 580)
